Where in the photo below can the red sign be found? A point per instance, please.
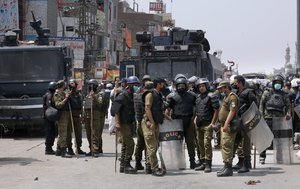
(156, 6)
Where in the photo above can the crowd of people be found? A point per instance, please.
(139, 107)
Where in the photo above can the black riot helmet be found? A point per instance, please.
(52, 85)
(278, 78)
(94, 83)
(73, 83)
(181, 80)
(202, 81)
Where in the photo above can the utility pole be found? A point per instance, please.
(87, 31)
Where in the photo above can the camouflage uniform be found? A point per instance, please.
(62, 104)
(76, 105)
(269, 114)
(94, 130)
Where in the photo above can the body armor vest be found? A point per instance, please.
(275, 102)
(244, 101)
(75, 101)
(157, 107)
(139, 106)
(127, 114)
(204, 109)
(183, 105)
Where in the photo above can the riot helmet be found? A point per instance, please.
(52, 85)
(203, 81)
(181, 80)
(73, 83)
(94, 83)
(146, 78)
(295, 82)
(277, 82)
(109, 86)
(133, 80)
(193, 79)
(217, 81)
(179, 76)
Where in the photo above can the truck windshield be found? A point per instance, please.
(159, 69)
(171, 69)
(184, 67)
(29, 65)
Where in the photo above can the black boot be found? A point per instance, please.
(128, 169)
(80, 152)
(262, 160)
(246, 166)
(207, 168)
(157, 172)
(64, 153)
(239, 164)
(221, 170)
(227, 171)
(122, 166)
(58, 151)
(192, 163)
(138, 165)
(70, 151)
(148, 169)
(201, 167)
(49, 151)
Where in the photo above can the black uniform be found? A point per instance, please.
(49, 125)
(183, 108)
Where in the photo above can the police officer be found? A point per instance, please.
(228, 112)
(123, 109)
(182, 103)
(94, 103)
(60, 99)
(274, 103)
(154, 115)
(139, 111)
(242, 142)
(50, 125)
(207, 109)
(75, 100)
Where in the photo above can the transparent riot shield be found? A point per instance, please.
(171, 144)
(283, 140)
(256, 128)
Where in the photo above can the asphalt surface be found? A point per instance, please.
(23, 164)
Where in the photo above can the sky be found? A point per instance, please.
(252, 33)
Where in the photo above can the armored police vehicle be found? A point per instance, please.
(25, 72)
(180, 51)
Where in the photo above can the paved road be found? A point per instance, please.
(24, 165)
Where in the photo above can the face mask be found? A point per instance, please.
(223, 94)
(135, 88)
(277, 86)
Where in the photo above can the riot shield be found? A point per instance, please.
(283, 140)
(256, 128)
(171, 144)
(297, 110)
(250, 118)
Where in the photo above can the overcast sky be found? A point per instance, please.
(252, 33)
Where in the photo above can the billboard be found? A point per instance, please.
(9, 15)
(154, 6)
